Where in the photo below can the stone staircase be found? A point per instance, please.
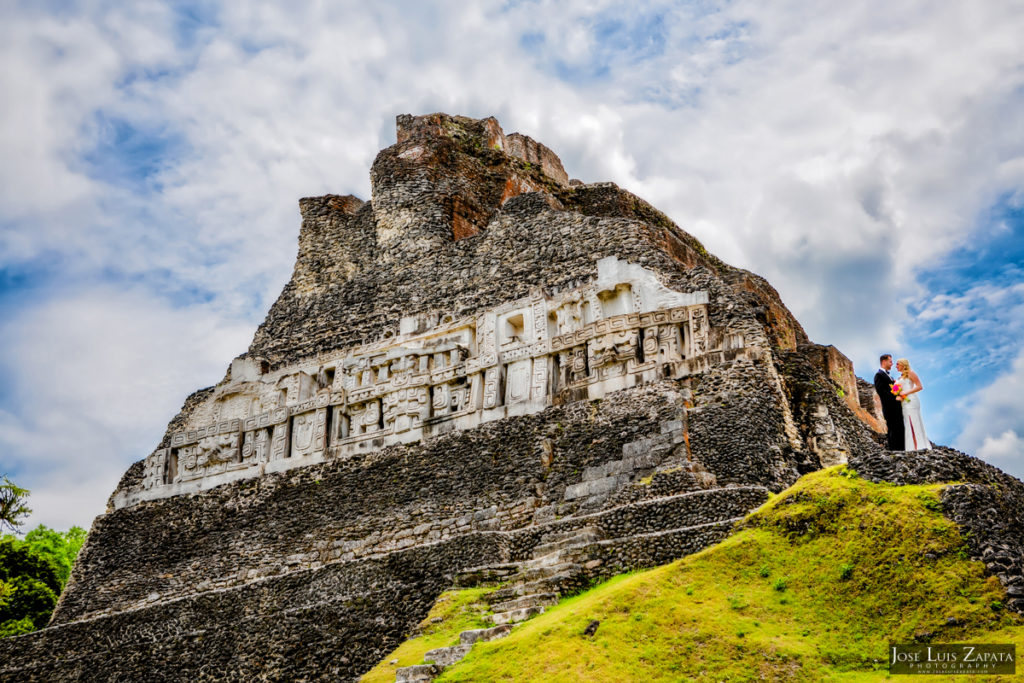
(568, 555)
(554, 565)
(533, 585)
(446, 656)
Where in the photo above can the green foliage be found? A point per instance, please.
(31, 599)
(31, 587)
(780, 584)
(930, 501)
(33, 572)
(12, 505)
(736, 602)
(713, 616)
(59, 548)
(16, 628)
(16, 559)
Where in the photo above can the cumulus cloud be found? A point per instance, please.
(156, 152)
(1007, 448)
(995, 422)
(97, 376)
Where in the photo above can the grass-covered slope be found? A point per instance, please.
(454, 612)
(814, 587)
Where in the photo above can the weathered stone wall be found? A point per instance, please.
(623, 330)
(336, 240)
(625, 521)
(501, 476)
(737, 396)
(829, 432)
(334, 622)
(330, 623)
(196, 577)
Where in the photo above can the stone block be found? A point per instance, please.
(446, 656)
(484, 634)
(635, 448)
(421, 673)
(671, 426)
(593, 488)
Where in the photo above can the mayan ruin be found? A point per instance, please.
(485, 369)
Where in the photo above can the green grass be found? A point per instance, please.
(454, 612)
(813, 587)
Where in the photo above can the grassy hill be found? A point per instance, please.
(814, 586)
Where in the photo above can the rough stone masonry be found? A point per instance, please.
(484, 356)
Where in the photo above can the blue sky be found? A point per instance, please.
(868, 159)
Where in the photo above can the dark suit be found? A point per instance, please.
(892, 410)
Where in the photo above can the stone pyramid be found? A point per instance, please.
(487, 369)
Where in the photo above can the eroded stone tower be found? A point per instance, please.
(485, 362)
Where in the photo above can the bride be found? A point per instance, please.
(910, 384)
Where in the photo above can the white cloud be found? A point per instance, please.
(995, 421)
(987, 322)
(1008, 447)
(97, 376)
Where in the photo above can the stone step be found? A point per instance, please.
(541, 599)
(446, 656)
(530, 574)
(489, 573)
(556, 536)
(551, 584)
(417, 674)
(568, 554)
(691, 508)
(621, 554)
(551, 547)
(484, 634)
(515, 616)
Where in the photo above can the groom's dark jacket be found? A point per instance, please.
(891, 410)
(890, 404)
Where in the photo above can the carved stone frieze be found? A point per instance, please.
(518, 358)
(156, 469)
(256, 446)
(210, 455)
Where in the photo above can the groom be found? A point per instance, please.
(892, 409)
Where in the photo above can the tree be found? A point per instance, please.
(32, 587)
(12, 505)
(60, 548)
(33, 571)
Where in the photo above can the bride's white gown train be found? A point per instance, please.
(913, 425)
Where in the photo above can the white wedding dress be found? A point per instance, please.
(913, 425)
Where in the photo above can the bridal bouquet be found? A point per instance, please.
(896, 389)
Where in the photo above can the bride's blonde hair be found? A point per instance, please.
(903, 365)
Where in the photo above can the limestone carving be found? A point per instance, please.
(156, 469)
(438, 371)
(569, 316)
(609, 353)
(492, 381)
(256, 447)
